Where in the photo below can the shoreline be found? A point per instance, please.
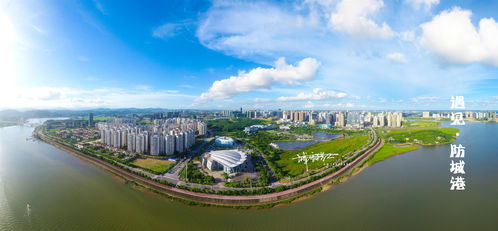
(204, 199)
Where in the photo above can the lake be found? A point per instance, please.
(406, 192)
(298, 144)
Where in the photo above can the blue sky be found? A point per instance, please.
(312, 54)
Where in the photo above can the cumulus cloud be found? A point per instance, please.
(419, 4)
(397, 57)
(452, 36)
(353, 17)
(166, 30)
(317, 94)
(262, 78)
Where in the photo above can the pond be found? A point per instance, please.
(298, 144)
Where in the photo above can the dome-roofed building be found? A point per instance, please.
(230, 161)
(224, 141)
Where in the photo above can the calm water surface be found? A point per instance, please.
(406, 192)
(298, 144)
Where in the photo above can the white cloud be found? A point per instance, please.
(256, 28)
(143, 87)
(353, 17)
(53, 97)
(408, 36)
(425, 99)
(100, 7)
(338, 105)
(418, 4)
(309, 104)
(262, 78)
(166, 30)
(452, 36)
(317, 94)
(397, 57)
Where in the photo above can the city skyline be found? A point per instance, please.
(302, 55)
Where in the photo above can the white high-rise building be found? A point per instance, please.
(382, 120)
(131, 142)
(155, 144)
(116, 141)
(124, 139)
(169, 145)
(140, 143)
(175, 134)
(108, 137)
(179, 143)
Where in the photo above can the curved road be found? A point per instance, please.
(221, 199)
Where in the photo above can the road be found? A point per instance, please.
(221, 199)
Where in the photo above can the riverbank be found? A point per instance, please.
(204, 199)
(414, 139)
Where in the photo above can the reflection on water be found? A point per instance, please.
(298, 144)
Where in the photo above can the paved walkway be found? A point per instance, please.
(221, 199)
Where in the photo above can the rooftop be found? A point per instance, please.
(229, 158)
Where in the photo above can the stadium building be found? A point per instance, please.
(230, 161)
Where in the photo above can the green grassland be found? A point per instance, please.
(292, 168)
(156, 165)
(421, 124)
(428, 136)
(232, 127)
(389, 150)
(403, 140)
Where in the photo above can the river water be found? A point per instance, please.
(406, 192)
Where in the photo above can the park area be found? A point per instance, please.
(290, 166)
(421, 123)
(399, 141)
(428, 136)
(154, 165)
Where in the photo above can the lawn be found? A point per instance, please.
(389, 150)
(422, 124)
(428, 136)
(156, 165)
(291, 167)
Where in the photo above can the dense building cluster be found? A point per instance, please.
(480, 115)
(390, 119)
(343, 119)
(163, 137)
